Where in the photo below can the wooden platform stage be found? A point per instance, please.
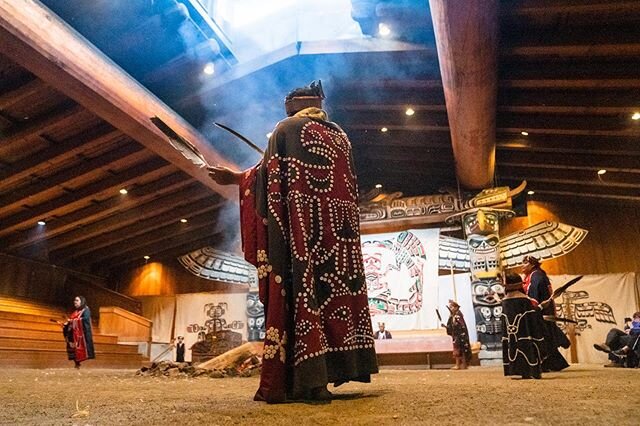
(418, 348)
(28, 339)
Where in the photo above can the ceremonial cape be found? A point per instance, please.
(523, 346)
(538, 288)
(79, 336)
(457, 329)
(300, 228)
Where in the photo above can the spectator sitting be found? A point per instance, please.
(623, 346)
(381, 334)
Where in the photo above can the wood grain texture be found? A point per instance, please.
(611, 245)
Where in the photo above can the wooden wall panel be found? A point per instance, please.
(55, 286)
(613, 242)
(169, 278)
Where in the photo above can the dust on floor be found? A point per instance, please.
(580, 395)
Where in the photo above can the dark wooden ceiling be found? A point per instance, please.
(569, 75)
(63, 165)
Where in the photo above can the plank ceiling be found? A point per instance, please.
(569, 76)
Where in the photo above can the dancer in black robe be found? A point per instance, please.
(523, 345)
(538, 287)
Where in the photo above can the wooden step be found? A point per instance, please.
(58, 359)
(13, 332)
(9, 305)
(18, 316)
(33, 344)
(18, 301)
(28, 325)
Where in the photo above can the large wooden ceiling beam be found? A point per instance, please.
(628, 132)
(37, 39)
(621, 146)
(98, 210)
(467, 40)
(527, 109)
(521, 83)
(631, 50)
(515, 160)
(550, 10)
(571, 177)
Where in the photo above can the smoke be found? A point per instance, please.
(254, 103)
(227, 225)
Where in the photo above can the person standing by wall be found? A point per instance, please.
(78, 333)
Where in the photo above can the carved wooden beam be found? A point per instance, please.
(34, 37)
(467, 40)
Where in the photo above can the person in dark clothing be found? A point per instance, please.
(300, 228)
(78, 333)
(457, 329)
(624, 346)
(382, 333)
(538, 287)
(615, 340)
(523, 346)
(180, 349)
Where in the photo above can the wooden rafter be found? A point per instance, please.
(163, 207)
(35, 38)
(98, 210)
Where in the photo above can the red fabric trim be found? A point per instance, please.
(254, 238)
(79, 341)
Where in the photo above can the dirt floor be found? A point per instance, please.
(580, 395)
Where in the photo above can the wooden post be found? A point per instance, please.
(467, 40)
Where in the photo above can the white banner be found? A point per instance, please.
(599, 303)
(402, 278)
(199, 313)
(160, 310)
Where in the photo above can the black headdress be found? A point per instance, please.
(314, 90)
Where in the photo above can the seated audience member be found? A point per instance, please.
(623, 347)
(381, 334)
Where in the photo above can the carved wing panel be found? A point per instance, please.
(216, 265)
(545, 240)
(453, 254)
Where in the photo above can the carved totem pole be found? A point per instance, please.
(481, 227)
